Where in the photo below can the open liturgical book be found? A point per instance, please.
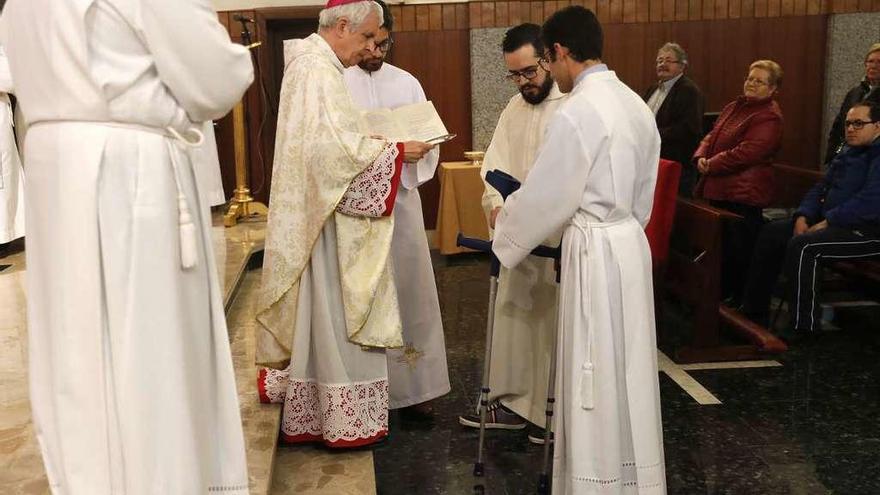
(415, 122)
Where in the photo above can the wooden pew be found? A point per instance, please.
(694, 276)
(792, 185)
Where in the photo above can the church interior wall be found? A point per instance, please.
(454, 50)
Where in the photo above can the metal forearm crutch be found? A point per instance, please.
(505, 185)
(544, 477)
(494, 269)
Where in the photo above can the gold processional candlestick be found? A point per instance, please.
(243, 206)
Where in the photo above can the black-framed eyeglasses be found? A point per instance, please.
(528, 73)
(385, 46)
(544, 62)
(857, 124)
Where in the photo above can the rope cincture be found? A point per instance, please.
(185, 224)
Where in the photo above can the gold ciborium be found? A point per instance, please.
(475, 157)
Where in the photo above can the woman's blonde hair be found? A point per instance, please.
(874, 48)
(772, 68)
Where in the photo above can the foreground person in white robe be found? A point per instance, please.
(525, 307)
(207, 167)
(595, 175)
(416, 373)
(11, 174)
(328, 302)
(131, 378)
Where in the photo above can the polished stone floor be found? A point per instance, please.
(809, 426)
(21, 468)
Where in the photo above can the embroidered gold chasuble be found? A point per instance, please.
(322, 144)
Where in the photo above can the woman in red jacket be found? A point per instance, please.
(734, 161)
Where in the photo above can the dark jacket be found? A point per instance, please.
(679, 120)
(740, 150)
(835, 138)
(849, 194)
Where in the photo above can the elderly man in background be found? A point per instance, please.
(677, 103)
(526, 303)
(417, 373)
(328, 304)
(867, 88)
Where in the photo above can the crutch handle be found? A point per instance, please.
(504, 183)
(481, 245)
(546, 252)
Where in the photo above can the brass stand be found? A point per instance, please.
(475, 157)
(243, 206)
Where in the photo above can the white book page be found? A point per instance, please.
(420, 121)
(382, 122)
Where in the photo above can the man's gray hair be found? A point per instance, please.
(356, 13)
(675, 48)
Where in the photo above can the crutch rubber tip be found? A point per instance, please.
(544, 485)
(478, 469)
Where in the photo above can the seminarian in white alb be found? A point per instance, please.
(313, 247)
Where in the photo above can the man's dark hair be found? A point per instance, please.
(522, 35)
(577, 29)
(873, 105)
(387, 18)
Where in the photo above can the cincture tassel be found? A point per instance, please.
(188, 256)
(185, 225)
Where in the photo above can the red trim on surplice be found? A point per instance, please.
(395, 181)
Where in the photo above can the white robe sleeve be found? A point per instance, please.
(5, 75)
(549, 197)
(643, 202)
(204, 70)
(416, 174)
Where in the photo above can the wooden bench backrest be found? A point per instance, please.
(792, 184)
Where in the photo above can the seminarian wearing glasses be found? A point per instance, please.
(525, 310)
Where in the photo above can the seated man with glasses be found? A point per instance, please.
(677, 103)
(526, 304)
(838, 218)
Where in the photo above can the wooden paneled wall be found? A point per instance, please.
(441, 61)
(721, 36)
(720, 52)
(481, 14)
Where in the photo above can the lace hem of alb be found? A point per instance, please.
(347, 412)
(629, 477)
(368, 193)
(238, 488)
(274, 384)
